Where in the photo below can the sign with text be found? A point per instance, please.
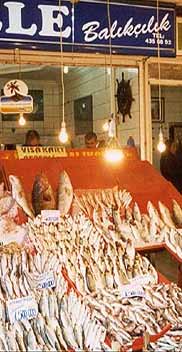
(44, 280)
(50, 216)
(86, 27)
(129, 291)
(41, 152)
(22, 308)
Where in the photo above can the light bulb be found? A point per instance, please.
(112, 128)
(63, 136)
(106, 126)
(161, 147)
(22, 120)
(113, 155)
(66, 69)
(109, 71)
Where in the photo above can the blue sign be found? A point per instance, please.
(88, 26)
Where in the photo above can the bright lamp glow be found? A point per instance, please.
(106, 126)
(109, 71)
(161, 147)
(22, 120)
(63, 136)
(113, 155)
(66, 69)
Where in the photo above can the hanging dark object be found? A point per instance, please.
(124, 97)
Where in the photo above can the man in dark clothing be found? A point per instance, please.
(170, 167)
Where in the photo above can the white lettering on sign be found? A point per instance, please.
(50, 216)
(15, 19)
(49, 20)
(128, 291)
(22, 308)
(44, 280)
(142, 280)
(91, 29)
(41, 152)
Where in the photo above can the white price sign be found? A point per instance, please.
(49, 216)
(45, 280)
(128, 291)
(142, 280)
(22, 308)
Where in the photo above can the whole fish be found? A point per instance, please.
(166, 216)
(42, 194)
(177, 211)
(19, 195)
(65, 193)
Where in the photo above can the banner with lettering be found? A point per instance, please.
(85, 27)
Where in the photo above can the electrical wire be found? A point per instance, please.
(62, 66)
(159, 65)
(110, 56)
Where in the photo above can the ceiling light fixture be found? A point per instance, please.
(66, 69)
(161, 145)
(22, 120)
(63, 135)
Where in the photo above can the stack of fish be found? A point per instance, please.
(17, 268)
(63, 320)
(92, 258)
(126, 317)
(100, 263)
(172, 341)
(111, 209)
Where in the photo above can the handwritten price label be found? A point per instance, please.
(50, 216)
(45, 280)
(22, 308)
(129, 291)
(142, 280)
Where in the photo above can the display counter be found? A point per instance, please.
(89, 170)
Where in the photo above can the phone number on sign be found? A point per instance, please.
(154, 41)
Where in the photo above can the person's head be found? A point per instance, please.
(173, 147)
(32, 138)
(170, 146)
(91, 140)
(130, 142)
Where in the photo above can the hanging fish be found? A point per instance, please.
(124, 97)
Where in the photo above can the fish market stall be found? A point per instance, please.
(75, 280)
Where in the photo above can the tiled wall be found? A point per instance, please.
(82, 82)
(79, 82)
(96, 81)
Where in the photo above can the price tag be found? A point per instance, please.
(22, 308)
(50, 216)
(128, 291)
(142, 280)
(45, 280)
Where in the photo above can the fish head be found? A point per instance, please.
(14, 179)
(41, 181)
(64, 178)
